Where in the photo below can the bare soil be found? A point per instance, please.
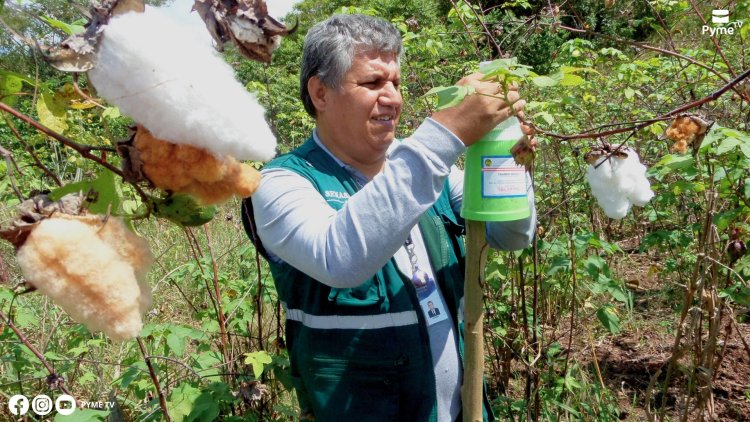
(640, 357)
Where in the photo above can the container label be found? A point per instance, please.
(502, 177)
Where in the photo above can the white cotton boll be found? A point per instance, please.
(180, 89)
(617, 184)
(641, 192)
(98, 283)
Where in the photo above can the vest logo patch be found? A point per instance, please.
(336, 194)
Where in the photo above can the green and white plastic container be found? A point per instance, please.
(495, 187)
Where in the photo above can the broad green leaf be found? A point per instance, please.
(10, 85)
(672, 162)
(570, 79)
(51, 112)
(727, 144)
(618, 293)
(449, 96)
(182, 401)
(258, 360)
(205, 409)
(739, 294)
(609, 319)
(629, 93)
(546, 81)
(83, 415)
(111, 113)
(548, 118)
(107, 196)
(69, 29)
(176, 343)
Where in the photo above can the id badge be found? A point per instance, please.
(429, 298)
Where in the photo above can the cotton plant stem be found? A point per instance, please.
(33, 350)
(155, 379)
(476, 253)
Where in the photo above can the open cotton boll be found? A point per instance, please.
(195, 171)
(619, 183)
(179, 89)
(100, 281)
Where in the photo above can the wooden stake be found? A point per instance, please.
(476, 253)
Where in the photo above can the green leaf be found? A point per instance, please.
(69, 29)
(739, 294)
(727, 144)
(176, 343)
(672, 162)
(449, 96)
(182, 401)
(107, 196)
(548, 118)
(258, 360)
(10, 85)
(83, 415)
(51, 111)
(546, 81)
(609, 319)
(570, 79)
(111, 113)
(206, 409)
(629, 93)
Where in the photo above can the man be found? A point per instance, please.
(432, 311)
(361, 232)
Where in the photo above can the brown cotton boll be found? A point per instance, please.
(200, 164)
(187, 169)
(683, 128)
(241, 180)
(680, 147)
(152, 149)
(71, 260)
(246, 180)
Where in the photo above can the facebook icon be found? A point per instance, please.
(18, 405)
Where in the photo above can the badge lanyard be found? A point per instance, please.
(429, 298)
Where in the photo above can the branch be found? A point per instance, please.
(666, 116)
(30, 150)
(644, 46)
(84, 150)
(53, 377)
(10, 163)
(155, 379)
(217, 292)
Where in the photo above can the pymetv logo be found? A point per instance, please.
(41, 405)
(720, 24)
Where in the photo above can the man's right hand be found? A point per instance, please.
(478, 113)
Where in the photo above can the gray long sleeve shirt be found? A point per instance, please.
(346, 247)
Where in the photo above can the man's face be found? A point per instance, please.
(362, 115)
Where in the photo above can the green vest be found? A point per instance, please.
(363, 353)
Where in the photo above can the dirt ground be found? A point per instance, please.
(634, 364)
(640, 356)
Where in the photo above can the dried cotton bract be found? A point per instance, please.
(619, 183)
(94, 269)
(180, 89)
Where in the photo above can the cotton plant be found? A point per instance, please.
(617, 180)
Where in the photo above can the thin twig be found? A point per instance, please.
(10, 163)
(155, 379)
(82, 94)
(217, 293)
(52, 373)
(84, 150)
(666, 116)
(31, 152)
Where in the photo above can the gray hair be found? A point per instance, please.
(330, 47)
